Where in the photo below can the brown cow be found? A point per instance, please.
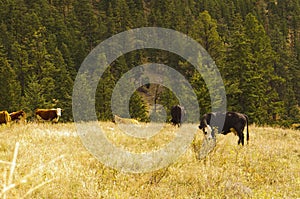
(4, 117)
(48, 114)
(18, 116)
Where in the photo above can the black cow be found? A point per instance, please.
(177, 113)
(233, 122)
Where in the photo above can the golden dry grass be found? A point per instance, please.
(51, 162)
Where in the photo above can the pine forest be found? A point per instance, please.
(254, 43)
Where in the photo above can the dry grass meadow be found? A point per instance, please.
(49, 161)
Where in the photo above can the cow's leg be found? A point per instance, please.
(55, 120)
(241, 137)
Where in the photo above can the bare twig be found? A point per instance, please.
(5, 162)
(8, 185)
(6, 189)
(4, 183)
(13, 165)
(37, 187)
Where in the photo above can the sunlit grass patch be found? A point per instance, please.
(52, 164)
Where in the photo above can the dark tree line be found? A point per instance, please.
(255, 43)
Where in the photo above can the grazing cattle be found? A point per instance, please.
(48, 114)
(120, 120)
(18, 116)
(177, 113)
(4, 117)
(233, 122)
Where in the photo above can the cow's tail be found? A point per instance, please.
(247, 120)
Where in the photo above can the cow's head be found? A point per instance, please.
(207, 130)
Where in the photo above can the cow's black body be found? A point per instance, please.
(177, 113)
(231, 120)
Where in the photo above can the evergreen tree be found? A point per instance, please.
(252, 57)
(34, 97)
(103, 95)
(63, 86)
(44, 42)
(136, 10)
(164, 97)
(20, 63)
(202, 93)
(204, 30)
(80, 100)
(39, 80)
(137, 108)
(88, 20)
(9, 86)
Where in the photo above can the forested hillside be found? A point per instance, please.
(255, 43)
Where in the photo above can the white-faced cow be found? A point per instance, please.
(225, 123)
(18, 116)
(4, 117)
(48, 114)
(177, 113)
